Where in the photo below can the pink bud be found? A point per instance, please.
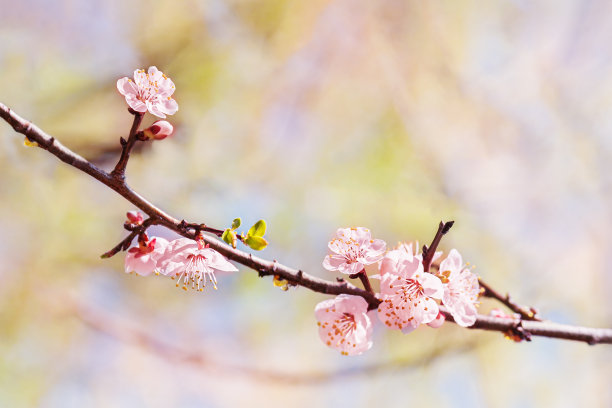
(135, 217)
(159, 130)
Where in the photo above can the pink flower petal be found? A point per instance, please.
(154, 74)
(437, 322)
(126, 87)
(168, 106)
(154, 109)
(136, 104)
(432, 285)
(425, 311)
(333, 262)
(453, 262)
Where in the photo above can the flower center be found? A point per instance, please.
(410, 290)
(352, 250)
(147, 88)
(196, 273)
(345, 324)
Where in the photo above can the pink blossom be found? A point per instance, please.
(352, 249)
(408, 293)
(159, 130)
(461, 291)
(143, 258)
(193, 264)
(437, 322)
(150, 91)
(344, 324)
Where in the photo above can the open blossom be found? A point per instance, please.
(193, 264)
(408, 293)
(150, 91)
(352, 249)
(344, 324)
(143, 258)
(461, 291)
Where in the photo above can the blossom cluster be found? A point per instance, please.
(409, 295)
(191, 262)
(150, 91)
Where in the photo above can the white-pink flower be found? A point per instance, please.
(150, 91)
(143, 258)
(344, 324)
(461, 291)
(408, 293)
(192, 264)
(352, 249)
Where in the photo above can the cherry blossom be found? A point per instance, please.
(461, 291)
(159, 130)
(192, 263)
(344, 324)
(143, 258)
(352, 249)
(150, 91)
(408, 293)
(437, 322)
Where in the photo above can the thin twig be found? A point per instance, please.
(125, 242)
(267, 268)
(119, 170)
(428, 253)
(527, 313)
(197, 228)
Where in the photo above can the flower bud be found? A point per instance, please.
(159, 130)
(135, 217)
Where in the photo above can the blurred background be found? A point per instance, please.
(313, 115)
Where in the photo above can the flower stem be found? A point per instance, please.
(363, 277)
(126, 147)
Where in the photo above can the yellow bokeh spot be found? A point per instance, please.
(29, 143)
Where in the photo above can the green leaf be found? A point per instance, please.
(236, 223)
(257, 243)
(229, 236)
(258, 229)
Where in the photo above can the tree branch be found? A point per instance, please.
(428, 253)
(119, 170)
(265, 267)
(125, 242)
(525, 312)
